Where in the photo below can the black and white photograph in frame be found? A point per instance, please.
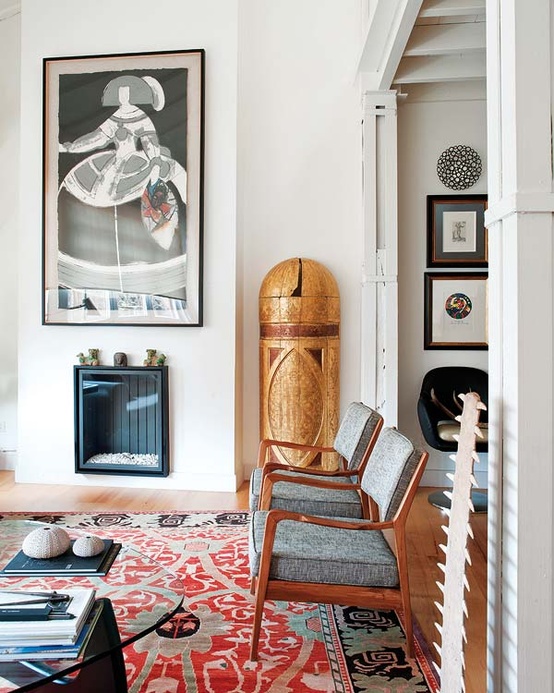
(456, 232)
(123, 189)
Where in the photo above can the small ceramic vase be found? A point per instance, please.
(46, 542)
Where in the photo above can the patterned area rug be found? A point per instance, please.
(205, 647)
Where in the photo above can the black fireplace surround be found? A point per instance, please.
(121, 420)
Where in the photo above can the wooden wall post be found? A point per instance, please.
(379, 321)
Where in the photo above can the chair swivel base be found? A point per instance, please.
(478, 498)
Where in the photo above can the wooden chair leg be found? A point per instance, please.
(403, 578)
(258, 613)
(408, 619)
(366, 512)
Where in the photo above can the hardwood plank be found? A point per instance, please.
(51, 498)
(424, 534)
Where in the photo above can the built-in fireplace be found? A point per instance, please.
(121, 420)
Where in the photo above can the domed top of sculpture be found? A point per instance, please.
(299, 290)
(299, 276)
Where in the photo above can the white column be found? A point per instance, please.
(520, 223)
(379, 325)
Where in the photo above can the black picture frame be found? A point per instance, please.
(456, 310)
(123, 151)
(456, 232)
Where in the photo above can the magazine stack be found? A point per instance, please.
(45, 625)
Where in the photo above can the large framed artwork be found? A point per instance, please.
(123, 189)
(456, 311)
(456, 233)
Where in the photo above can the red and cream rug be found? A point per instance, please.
(205, 646)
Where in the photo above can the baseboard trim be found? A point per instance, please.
(176, 481)
(8, 459)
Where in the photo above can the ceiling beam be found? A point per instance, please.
(387, 35)
(446, 39)
(444, 68)
(452, 8)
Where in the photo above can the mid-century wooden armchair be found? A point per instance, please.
(299, 557)
(355, 439)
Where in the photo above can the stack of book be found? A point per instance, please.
(45, 625)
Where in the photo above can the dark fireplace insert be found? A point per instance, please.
(121, 420)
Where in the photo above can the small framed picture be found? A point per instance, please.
(456, 233)
(456, 311)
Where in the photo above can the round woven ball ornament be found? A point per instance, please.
(459, 167)
(46, 542)
(87, 546)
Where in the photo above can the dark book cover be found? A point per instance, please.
(66, 563)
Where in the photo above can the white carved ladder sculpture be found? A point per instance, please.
(454, 607)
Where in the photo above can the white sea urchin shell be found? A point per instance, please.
(89, 545)
(46, 542)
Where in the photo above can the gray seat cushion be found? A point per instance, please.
(307, 499)
(310, 553)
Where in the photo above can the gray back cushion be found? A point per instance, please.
(355, 432)
(389, 471)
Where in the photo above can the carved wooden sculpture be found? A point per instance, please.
(299, 359)
(454, 607)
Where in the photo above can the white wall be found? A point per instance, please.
(282, 179)
(299, 165)
(9, 235)
(425, 129)
(297, 193)
(201, 360)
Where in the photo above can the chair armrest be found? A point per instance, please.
(272, 477)
(268, 443)
(273, 466)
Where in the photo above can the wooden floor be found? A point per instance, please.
(424, 536)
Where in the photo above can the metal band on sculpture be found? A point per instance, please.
(292, 331)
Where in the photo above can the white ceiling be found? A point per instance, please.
(446, 44)
(424, 42)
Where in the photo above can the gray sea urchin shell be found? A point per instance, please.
(87, 546)
(46, 542)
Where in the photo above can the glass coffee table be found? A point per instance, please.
(136, 597)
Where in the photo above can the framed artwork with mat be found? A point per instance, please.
(456, 232)
(123, 189)
(456, 310)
